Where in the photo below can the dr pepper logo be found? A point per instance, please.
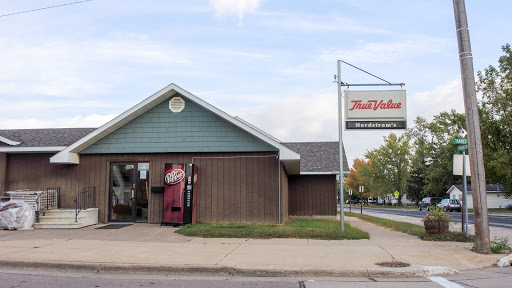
(174, 176)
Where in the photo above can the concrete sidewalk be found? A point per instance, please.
(145, 248)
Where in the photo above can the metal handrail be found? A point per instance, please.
(86, 198)
(52, 196)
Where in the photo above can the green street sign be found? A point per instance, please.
(462, 147)
(397, 193)
(460, 141)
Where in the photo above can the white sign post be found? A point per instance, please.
(386, 124)
(457, 165)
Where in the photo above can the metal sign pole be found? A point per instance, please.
(350, 202)
(361, 189)
(340, 131)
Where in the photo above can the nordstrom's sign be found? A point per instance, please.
(385, 109)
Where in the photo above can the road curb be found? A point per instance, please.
(243, 271)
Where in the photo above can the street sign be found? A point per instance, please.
(457, 164)
(462, 147)
(397, 193)
(460, 141)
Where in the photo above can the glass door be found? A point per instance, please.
(129, 191)
(122, 191)
(141, 210)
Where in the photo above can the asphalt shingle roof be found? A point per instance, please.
(319, 156)
(45, 137)
(488, 187)
(315, 156)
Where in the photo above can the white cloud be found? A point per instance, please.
(235, 7)
(303, 118)
(442, 98)
(387, 52)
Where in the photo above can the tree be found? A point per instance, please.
(360, 176)
(420, 159)
(390, 165)
(439, 172)
(495, 85)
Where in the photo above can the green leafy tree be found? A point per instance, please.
(419, 160)
(390, 165)
(495, 85)
(439, 171)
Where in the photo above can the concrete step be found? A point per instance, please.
(60, 219)
(60, 212)
(65, 219)
(74, 225)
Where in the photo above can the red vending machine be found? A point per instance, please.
(179, 194)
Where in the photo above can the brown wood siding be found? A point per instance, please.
(284, 194)
(232, 187)
(311, 195)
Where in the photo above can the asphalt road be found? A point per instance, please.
(501, 221)
(490, 277)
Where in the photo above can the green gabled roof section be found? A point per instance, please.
(233, 135)
(194, 129)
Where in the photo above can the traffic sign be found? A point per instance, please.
(397, 193)
(462, 147)
(460, 141)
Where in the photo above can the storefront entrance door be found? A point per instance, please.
(129, 192)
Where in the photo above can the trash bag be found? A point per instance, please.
(17, 215)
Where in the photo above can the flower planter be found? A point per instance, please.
(436, 228)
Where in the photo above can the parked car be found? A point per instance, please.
(353, 201)
(508, 206)
(429, 202)
(449, 205)
(372, 201)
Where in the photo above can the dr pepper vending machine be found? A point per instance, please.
(179, 194)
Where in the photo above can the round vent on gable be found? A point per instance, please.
(177, 104)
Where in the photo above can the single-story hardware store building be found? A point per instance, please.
(242, 173)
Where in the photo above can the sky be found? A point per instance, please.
(270, 62)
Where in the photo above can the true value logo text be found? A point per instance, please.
(374, 105)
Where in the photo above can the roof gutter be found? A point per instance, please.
(9, 141)
(32, 149)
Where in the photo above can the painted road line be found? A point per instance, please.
(443, 282)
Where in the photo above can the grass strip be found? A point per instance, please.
(413, 229)
(320, 229)
(494, 211)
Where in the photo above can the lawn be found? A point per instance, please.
(413, 229)
(320, 229)
(493, 210)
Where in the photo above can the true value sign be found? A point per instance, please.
(375, 109)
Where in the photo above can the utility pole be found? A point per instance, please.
(478, 184)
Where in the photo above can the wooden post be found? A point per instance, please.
(478, 185)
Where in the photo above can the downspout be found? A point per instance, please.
(279, 187)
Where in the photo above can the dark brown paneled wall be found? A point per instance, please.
(312, 195)
(232, 187)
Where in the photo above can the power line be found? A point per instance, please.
(44, 8)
